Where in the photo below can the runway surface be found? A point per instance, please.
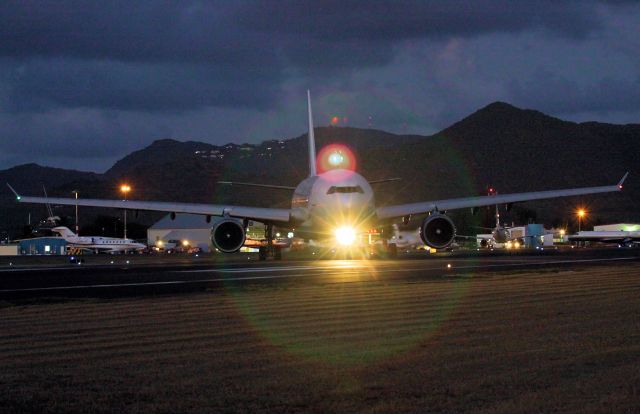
(132, 275)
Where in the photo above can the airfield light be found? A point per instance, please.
(185, 243)
(159, 243)
(125, 188)
(345, 236)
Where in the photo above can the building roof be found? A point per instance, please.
(183, 221)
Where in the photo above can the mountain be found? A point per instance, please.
(510, 148)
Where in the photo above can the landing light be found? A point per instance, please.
(345, 236)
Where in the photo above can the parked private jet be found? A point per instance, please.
(96, 243)
(336, 206)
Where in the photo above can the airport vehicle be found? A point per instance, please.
(622, 238)
(334, 206)
(98, 244)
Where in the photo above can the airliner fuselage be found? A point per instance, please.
(333, 200)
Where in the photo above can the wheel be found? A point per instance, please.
(262, 253)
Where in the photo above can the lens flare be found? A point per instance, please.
(335, 156)
(345, 236)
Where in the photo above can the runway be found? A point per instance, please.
(526, 332)
(131, 275)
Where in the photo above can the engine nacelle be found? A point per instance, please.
(437, 231)
(228, 235)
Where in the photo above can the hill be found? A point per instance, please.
(510, 148)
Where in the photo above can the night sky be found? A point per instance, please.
(83, 84)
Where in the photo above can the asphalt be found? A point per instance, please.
(104, 276)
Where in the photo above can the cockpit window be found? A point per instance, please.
(345, 190)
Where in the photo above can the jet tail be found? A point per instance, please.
(312, 141)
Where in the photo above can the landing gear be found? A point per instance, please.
(274, 251)
(269, 249)
(392, 250)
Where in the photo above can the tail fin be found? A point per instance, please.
(63, 231)
(312, 141)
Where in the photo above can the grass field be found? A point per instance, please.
(566, 341)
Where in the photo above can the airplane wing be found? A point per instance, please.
(263, 215)
(480, 201)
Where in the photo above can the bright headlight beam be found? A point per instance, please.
(345, 236)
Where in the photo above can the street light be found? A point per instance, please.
(76, 193)
(125, 188)
(581, 214)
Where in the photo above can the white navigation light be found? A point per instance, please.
(336, 158)
(345, 236)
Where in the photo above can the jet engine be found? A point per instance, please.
(228, 235)
(437, 231)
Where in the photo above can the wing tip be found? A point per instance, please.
(621, 182)
(18, 196)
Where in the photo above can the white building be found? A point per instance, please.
(618, 227)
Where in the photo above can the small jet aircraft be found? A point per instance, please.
(99, 244)
(335, 206)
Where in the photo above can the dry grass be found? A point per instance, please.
(535, 342)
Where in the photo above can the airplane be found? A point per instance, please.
(500, 234)
(622, 238)
(99, 244)
(336, 205)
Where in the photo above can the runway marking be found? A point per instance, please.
(266, 277)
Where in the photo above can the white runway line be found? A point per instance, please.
(339, 271)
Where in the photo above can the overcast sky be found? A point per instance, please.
(83, 84)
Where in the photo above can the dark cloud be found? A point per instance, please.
(337, 20)
(37, 84)
(555, 94)
(106, 78)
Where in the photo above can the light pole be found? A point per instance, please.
(581, 214)
(76, 193)
(125, 188)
